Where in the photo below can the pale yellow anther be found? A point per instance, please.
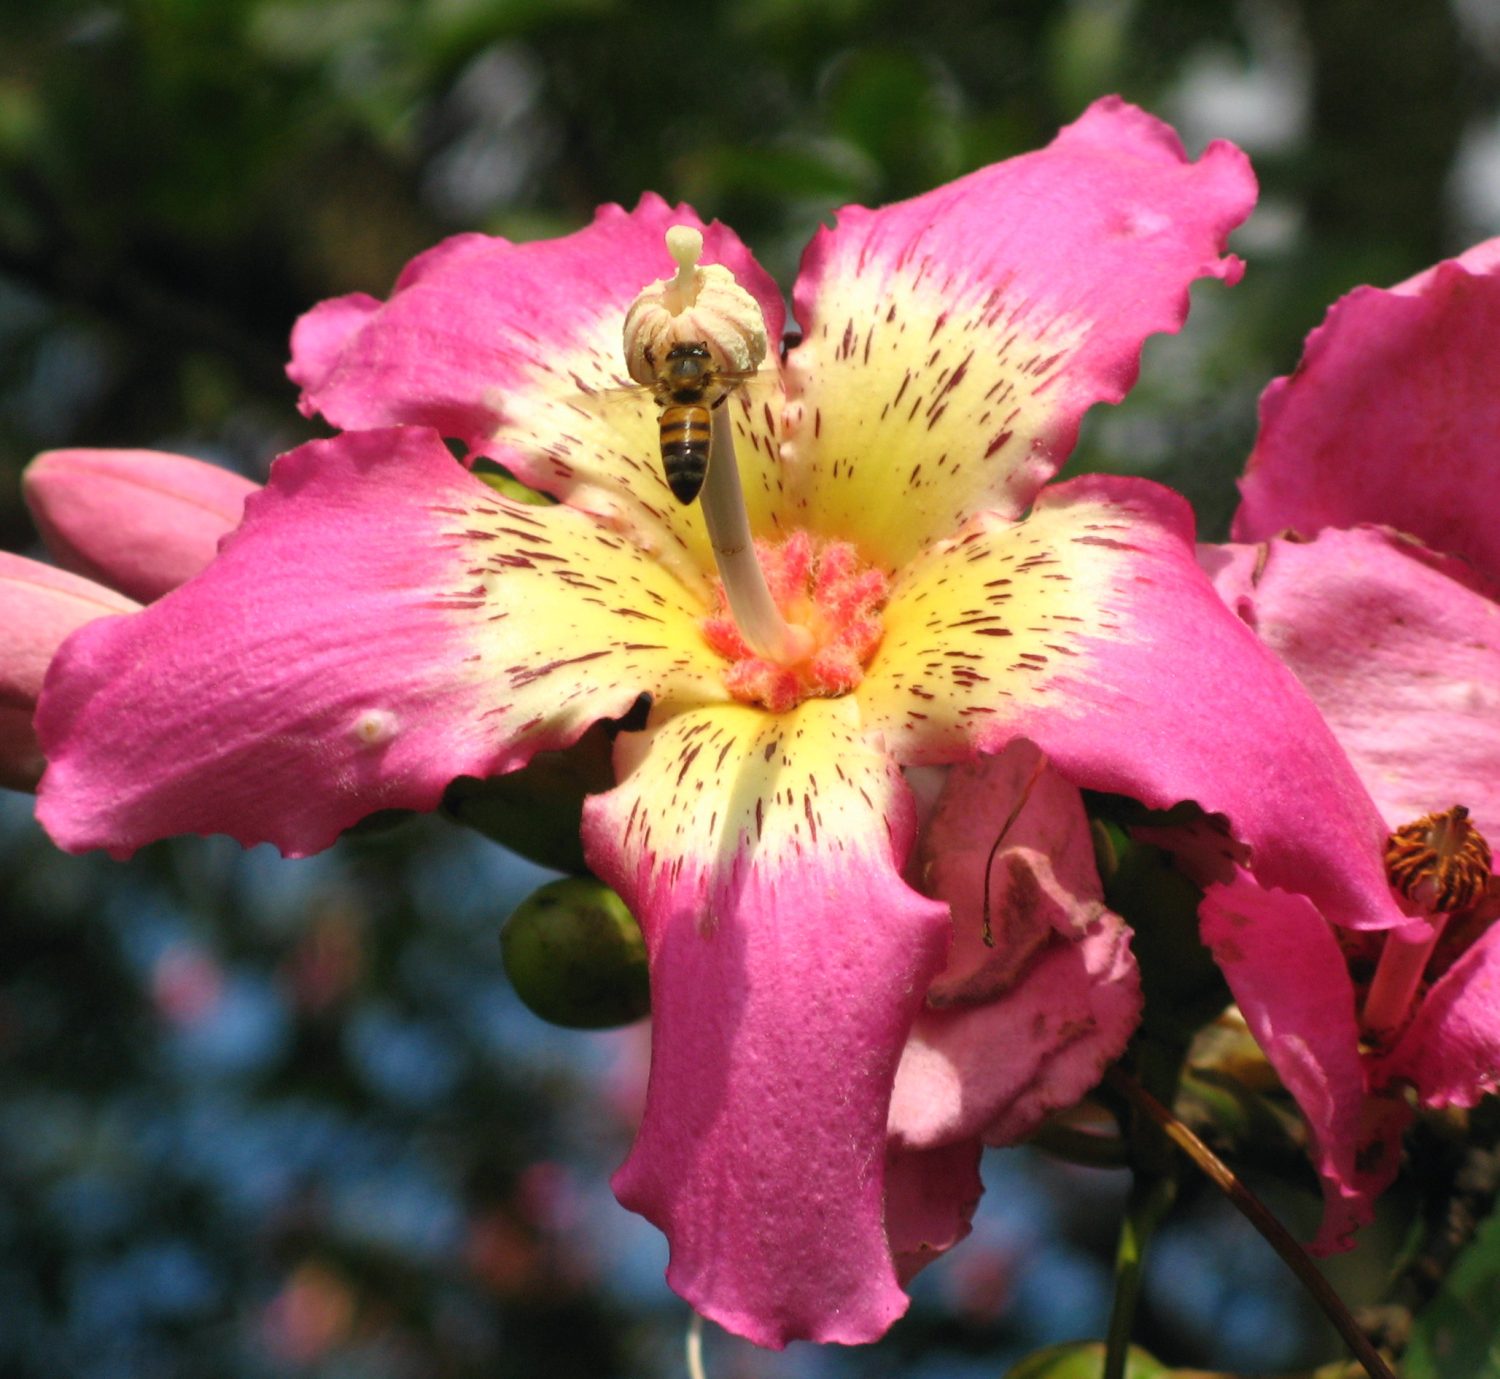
(699, 304)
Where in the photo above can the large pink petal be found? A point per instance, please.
(514, 348)
(1291, 982)
(1089, 629)
(325, 338)
(1451, 1051)
(140, 521)
(380, 623)
(476, 319)
(1390, 418)
(954, 341)
(1400, 650)
(1014, 1032)
(762, 855)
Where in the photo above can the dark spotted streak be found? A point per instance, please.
(946, 665)
(721, 790)
(976, 366)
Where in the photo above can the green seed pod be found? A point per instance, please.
(576, 957)
(1084, 1360)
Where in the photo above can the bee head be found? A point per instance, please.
(689, 360)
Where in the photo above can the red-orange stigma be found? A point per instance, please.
(826, 589)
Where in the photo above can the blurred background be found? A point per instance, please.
(263, 1118)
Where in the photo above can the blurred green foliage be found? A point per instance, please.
(179, 179)
(1456, 1335)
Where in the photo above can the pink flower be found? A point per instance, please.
(382, 622)
(1381, 453)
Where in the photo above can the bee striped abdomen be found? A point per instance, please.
(685, 436)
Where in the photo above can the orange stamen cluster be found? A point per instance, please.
(826, 589)
(1441, 862)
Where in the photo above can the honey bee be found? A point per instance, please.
(688, 386)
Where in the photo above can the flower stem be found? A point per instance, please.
(1150, 1199)
(695, 1348)
(1403, 960)
(1153, 1189)
(765, 631)
(1279, 1238)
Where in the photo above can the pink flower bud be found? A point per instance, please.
(140, 521)
(39, 607)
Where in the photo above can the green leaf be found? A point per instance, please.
(1457, 1336)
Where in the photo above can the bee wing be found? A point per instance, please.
(749, 382)
(600, 401)
(638, 399)
(754, 401)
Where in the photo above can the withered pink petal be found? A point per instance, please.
(1014, 1032)
(140, 521)
(953, 342)
(1291, 982)
(1400, 650)
(1390, 418)
(762, 855)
